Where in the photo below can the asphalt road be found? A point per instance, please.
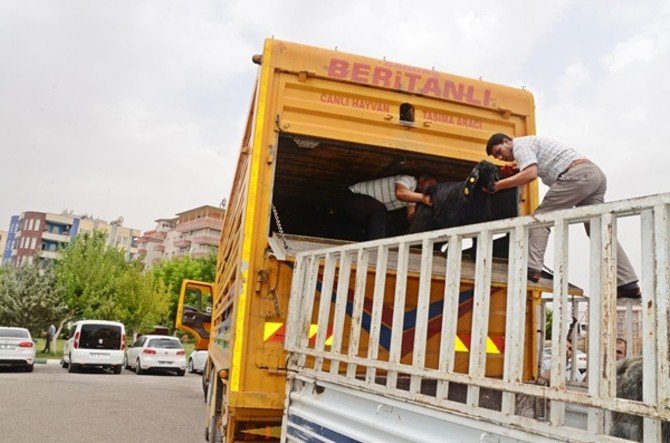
(51, 405)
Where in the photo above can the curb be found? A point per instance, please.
(46, 361)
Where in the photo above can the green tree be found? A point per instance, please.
(549, 320)
(88, 272)
(143, 301)
(30, 298)
(172, 272)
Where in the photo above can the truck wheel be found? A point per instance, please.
(64, 364)
(117, 369)
(138, 369)
(191, 370)
(181, 372)
(29, 368)
(72, 368)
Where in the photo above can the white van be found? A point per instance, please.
(95, 343)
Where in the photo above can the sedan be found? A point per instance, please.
(17, 348)
(197, 360)
(156, 352)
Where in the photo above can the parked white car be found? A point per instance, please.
(156, 352)
(95, 343)
(17, 348)
(196, 361)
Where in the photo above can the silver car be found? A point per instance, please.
(17, 348)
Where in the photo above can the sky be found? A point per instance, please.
(136, 108)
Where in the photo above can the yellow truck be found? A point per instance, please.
(320, 121)
(306, 314)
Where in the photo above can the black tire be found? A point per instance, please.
(181, 372)
(117, 369)
(125, 362)
(191, 369)
(29, 368)
(138, 369)
(64, 364)
(72, 368)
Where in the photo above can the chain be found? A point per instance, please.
(282, 236)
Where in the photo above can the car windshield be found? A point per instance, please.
(14, 333)
(100, 336)
(168, 343)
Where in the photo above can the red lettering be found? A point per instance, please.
(412, 81)
(450, 90)
(431, 87)
(324, 98)
(487, 97)
(396, 80)
(470, 97)
(360, 72)
(338, 68)
(382, 77)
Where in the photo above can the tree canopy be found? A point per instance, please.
(30, 298)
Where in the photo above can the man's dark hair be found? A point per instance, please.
(496, 139)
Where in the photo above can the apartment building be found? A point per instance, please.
(36, 237)
(193, 233)
(3, 243)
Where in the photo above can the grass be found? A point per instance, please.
(58, 353)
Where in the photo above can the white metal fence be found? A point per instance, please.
(315, 328)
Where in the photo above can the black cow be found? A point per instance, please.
(458, 203)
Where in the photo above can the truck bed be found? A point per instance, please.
(499, 271)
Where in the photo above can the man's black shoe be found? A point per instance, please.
(629, 290)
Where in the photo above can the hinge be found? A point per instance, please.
(304, 75)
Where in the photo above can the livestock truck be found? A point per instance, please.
(319, 335)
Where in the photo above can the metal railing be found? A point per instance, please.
(325, 355)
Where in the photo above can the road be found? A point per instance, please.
(51, 405)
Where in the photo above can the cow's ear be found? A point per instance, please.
(471, 181)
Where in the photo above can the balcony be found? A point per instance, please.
(205, 240)
(48, 254)
(53, 236)
(182, 243)
(202, 223)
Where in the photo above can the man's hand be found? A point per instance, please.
(426, 200)
(508, 170)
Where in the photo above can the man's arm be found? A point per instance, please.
(403, 193)
(526, 176)
(411, 209)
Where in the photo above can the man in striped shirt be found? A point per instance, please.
(573, 180)
(371, 200)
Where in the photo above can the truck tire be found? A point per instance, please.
(212, 432)
(64, 364)
(117, 369)
(138, 369)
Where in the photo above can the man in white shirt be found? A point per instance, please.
(573, 180)
(371, 200)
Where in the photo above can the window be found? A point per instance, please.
(165, 343)
(31, 224)
(100, 337)
(37, 224)
(33, 241)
